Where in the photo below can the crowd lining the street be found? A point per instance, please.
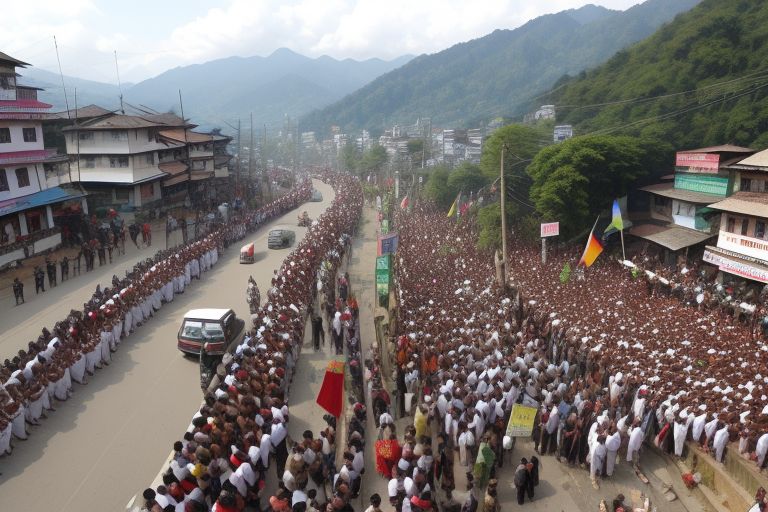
(44, 372)
(240, 432)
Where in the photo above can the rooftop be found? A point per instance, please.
(759, 159)
(112, 121)
(4, 57)
(673, 238)
(745, 203)
(86, 112)
(724, 148)
(669, 190)
(181, 135)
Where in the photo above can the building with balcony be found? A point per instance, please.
(680, 221)
(30, 196)
(742, 242)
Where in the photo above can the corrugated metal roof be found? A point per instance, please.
(745, 203)
(4, 57)
(759, 159)
(178, 135)
(673, 238)
(42, 198)
(724, 148)
(173, 168)
(669, 190)
(86, 112)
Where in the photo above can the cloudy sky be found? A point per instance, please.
(151, 36)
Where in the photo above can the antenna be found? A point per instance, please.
(119, 86)
(66, 101)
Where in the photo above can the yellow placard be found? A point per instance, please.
(521, 421)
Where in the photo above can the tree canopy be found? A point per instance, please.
(575, 180)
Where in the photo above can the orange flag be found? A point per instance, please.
(592, 249)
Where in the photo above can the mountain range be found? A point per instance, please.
(498, 74)
(223, 90)
(701, 81)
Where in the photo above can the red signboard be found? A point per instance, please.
(698, 162)
(550, 229)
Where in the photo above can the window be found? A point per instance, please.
(30, 134)
(760, 229)
(149, 158)
(3, 181)
(5, 135)
(86, 136)
(22, 177)
(122, 194)
(90, 162)
(118, 161)
(730, 226)
(120, 135)
(744, 226)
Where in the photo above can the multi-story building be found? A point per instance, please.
(30, 195)
(679, 216)
(139, 161)
(742, 242)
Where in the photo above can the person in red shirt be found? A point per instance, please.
(146, 233)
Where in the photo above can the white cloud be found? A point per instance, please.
(88, 31)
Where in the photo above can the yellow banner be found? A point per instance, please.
(521, 420)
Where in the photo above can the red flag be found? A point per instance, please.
(404, 203)
(331, 395)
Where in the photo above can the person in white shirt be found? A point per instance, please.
(612, 445)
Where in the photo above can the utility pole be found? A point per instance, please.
(503, 198)
(250, 153)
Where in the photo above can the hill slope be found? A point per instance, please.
(499, 73)
(270, 87)
(715, 42)
(88, 91)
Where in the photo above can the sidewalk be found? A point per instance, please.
(25, 272)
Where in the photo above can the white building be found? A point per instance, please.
(30, 196)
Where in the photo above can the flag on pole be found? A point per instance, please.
(565, 275)
(404, 203)
(455, 206)
(331, 395)
(592, 250)
(616, 222)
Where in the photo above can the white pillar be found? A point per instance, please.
(49, 215)
(137, 196)
(84, 205)
(23, 224)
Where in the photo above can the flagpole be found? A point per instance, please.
(623, 255)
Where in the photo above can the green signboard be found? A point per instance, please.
(383, 273)
(384, 226)
(705, 183)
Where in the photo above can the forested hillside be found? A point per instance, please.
(701, 80)
(498, 74)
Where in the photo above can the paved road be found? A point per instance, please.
(107, 442)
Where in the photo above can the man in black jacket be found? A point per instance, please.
(521, 480)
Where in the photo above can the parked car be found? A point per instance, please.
(281, 238)
(219, 328)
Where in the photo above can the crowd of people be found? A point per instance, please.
(608, 361)
(240, 432)
(34, 379)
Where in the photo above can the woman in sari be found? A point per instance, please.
(387, 454)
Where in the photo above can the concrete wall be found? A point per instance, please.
(17, 136)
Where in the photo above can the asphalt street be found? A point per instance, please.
(108, 442)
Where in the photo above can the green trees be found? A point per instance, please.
(574, 180)
(443, 184)
(370, 161)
